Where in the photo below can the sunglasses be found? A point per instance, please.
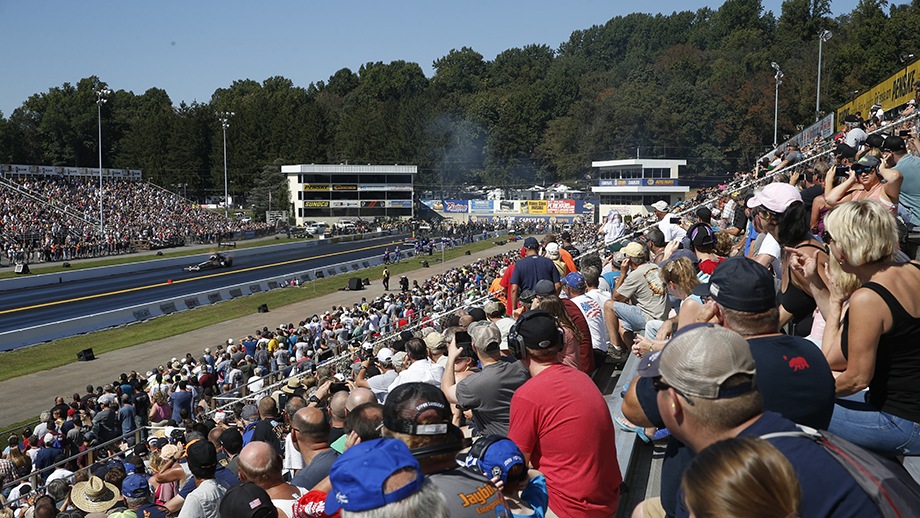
(659, 386)
(862, 170)
(826, 237)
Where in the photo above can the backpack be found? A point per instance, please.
(885, 481)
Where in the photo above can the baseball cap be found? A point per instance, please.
(893, 143)
(699, 359)
(231, 440)
(634, 250)
(494, 307)
(574, 280)
(417, 408)
(434, 341)
(247, 500)
(531, 243)
(312, 505)
(48, 438)
(135, 486)
(398, 358)
(845, 151)
(742, 284)
(250, 413)
(701, 235)
(359, 475)
(869, 162)
(776, 197)
(477, 313)
(660, 206)
(538, 330)
(201, 455)
(544, 287)
(497, 459)
(486, 336)
(875, 140)
(384, 355)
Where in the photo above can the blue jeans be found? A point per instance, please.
(630, 316)
(864, 425)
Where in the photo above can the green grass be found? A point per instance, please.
(46, 356)
(138, 258)
(15, 428)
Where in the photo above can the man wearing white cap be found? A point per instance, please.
(669, 225)
(378, 384)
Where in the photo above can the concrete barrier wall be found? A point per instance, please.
(134, 314)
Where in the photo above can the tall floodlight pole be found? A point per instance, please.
(100, 100)
(779, 77)
(224, 118)
(825, 35)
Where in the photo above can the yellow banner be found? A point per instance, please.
(344, 187)
(890, 93)
(315, 187)
(534, 207)
(316, 204)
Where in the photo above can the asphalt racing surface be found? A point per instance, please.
(23, 308)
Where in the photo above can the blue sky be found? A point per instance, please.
(191, 47)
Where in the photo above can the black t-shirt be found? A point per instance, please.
(270, 430)
(141, 403)
(808, 197)
(335, 433)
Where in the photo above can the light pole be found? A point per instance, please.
(824, 36)
(779, 77)
(100, 100)
(224, 118)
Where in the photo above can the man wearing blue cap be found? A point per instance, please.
(381, 475)
(136, 491)
(575, 286)
(529, 270)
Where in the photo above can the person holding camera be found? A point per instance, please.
(864, 182)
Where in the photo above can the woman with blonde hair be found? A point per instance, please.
(741, 477)
(571, 336)
(873, 340)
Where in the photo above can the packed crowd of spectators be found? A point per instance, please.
(750, 315)
(57, 219)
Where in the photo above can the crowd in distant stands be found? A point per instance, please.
(57, 219)
(785, 303)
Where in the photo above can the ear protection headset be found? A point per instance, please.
(516, 341)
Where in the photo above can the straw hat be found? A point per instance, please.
(94, 495)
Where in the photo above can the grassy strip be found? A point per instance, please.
(139, 258)
(15, 428)
(46, 356)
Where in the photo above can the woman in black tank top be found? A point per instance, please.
(874, 342)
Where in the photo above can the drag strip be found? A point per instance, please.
(150, 282)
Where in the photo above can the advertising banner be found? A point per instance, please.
(481, 206)
(437, 205)
(316, 204)
(508, 206)
(533, 207)
(399, 204)
(344, 187)
(560, 206)
(890, 93)
(456, 206)
(315, 187)
(24, 169)
(371, 203)
(352, 204)
(639, 182)
(48, 170)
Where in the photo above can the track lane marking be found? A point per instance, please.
(181, 281)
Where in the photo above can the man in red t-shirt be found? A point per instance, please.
(561, 423)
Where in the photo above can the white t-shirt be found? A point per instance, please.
(671, 231)
(594, 315)
(771, 247)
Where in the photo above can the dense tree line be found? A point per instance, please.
(694, 85)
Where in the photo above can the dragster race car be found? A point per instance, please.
(214, 261)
